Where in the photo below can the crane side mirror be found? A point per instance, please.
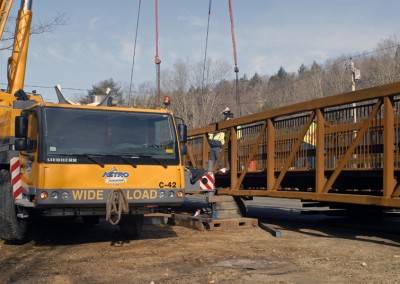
(182, 132)
(21, 126)
(183, 149)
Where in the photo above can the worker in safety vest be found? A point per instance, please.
(308, 146)
(217, 140)
(309, 138)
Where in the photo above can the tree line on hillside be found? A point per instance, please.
(200, 92)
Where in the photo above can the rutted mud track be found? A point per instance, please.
(308, 252)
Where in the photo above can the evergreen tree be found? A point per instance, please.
(281, 73)
(244, 78)
(100, 89)
(255, 80)
(302, 70)
(316, 68)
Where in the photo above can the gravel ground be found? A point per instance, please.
(67, 251)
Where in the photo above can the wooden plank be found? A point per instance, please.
(276, 233)
(219, 198)
(226, 213)
(226, 205)
(188, 222)
(232, 224)
(201, 223)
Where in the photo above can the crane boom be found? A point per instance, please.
(17, 61)
(5, 7)
(16, 65)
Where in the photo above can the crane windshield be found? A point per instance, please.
(145, 138)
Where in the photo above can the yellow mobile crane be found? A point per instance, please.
(81, 160)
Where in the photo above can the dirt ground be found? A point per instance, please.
(70, 252)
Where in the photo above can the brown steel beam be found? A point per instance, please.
(319, 160)
(250, 158)
(190, 153)
(388, 149)
(322, 197)
(206, 149)
(321, 103)
(396, 192)
(352, 146)
(293, 152)
(270, 154)
(233, 155)
(199, 131)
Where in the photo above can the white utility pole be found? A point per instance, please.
(353, 79)
(355, 76)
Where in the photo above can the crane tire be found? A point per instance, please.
(12, 228)
(131, 225)
(91, 220)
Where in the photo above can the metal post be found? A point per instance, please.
(320, 159)
(233, 154)
(270, 154)
(353, 88)
(388, 152)
(206, 149)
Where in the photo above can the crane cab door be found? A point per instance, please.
(27, 138)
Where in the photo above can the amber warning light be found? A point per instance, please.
(167, 101)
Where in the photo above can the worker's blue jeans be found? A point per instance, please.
(214, 153)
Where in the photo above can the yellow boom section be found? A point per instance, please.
(5, 7)
(17, 62)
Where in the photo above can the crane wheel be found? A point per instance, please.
(91, 220)
(131, 225)
(12, 228)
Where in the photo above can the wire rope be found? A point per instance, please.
(134, 53)
(205, 50)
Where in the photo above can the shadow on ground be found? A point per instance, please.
(384, 231)
(72, 231)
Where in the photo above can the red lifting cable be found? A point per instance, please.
(233, 36)
(235, 57)
(157, 60)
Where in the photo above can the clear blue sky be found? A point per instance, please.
(98, 41)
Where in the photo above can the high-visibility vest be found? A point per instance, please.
(310, 135)
(219, 136)
(239, 133)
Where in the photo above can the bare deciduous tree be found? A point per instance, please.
(44, 26)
